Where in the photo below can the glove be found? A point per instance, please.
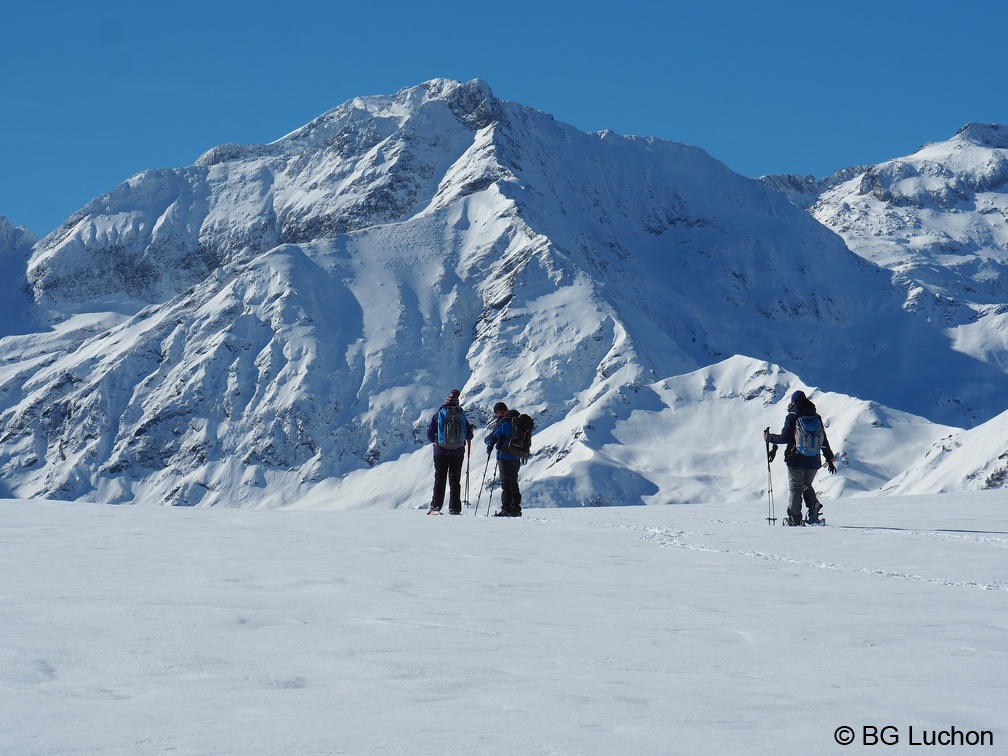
(830, 466)
(489, 449)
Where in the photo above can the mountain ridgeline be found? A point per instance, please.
(275, 324)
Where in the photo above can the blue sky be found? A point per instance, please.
(91, 93)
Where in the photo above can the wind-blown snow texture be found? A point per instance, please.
(277, 323)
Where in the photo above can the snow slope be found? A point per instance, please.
(645, 630)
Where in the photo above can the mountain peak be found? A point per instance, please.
(992, 135)
(368, 119)
(473, 103)
(14, 238)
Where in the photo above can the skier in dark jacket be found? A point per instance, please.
(802, 468)
(448, 461)
(508, 464)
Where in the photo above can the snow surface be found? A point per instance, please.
(645, 630)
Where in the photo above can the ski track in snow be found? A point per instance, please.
(675, 538)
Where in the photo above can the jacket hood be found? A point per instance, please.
(802, 408)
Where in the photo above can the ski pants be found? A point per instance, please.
(447, 471)
(510, 495)
(800, 484)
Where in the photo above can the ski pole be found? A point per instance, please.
(770, 454)
(482, 484)
(468, 456)
(492, 481)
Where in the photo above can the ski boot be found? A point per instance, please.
(508, 512)
(813, 515)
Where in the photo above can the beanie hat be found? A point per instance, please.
(798, 396)
(453, 397)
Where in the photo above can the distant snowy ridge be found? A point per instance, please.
(14, 238)
(805, 191)
(16, 308)
(275, 324)
(16, 245)
(938, 219)
(972, 460)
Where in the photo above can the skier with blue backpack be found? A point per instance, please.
(804, 436)
(450, 432)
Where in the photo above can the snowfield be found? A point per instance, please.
(616, 630)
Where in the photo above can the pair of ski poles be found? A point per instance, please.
(770, 454)
(482, 484)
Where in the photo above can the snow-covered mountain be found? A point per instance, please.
(938, 220)
(277, 323)
(16, 244)
(15, 240)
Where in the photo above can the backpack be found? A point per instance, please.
(451, 427)
(808, 435)
(520, 444)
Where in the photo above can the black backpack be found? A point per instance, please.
(521, 435)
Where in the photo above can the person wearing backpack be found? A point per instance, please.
(508, 460)
(805, 437)
(449, 431)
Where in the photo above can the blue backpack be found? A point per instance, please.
(451, 427)
(809, 435)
